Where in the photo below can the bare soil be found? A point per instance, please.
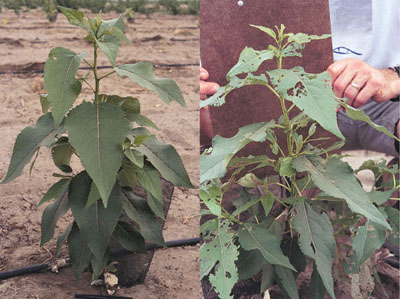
(25, 42)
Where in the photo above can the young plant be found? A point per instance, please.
(278, 235)
(107, 133)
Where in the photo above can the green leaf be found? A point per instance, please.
(74, 17)
(286, 281)
(97, 133)
(44, 102)
(135, 157)
(61, 239)
(249, 263)
(96, 223)
(369, 238)
(359, 115)
(253, 237)
(138, 210)
(394, 219)
(149, 179)
(109, 45)
(291, 249)
(53, 212)
(317, 288)
(93, 196)
(98, 266)
(62, 152)
(212, 199)
(316, 241)
(142, 120)
(78, 251)
(142, 73)
(165, 158)
(286, 168)
(129, 237)
(130, 106)
(267, 201)
(249, 61)
(60, 82)
(380, 197)
(127, 175)
(336, 179)
(155, 205)
(267, 279)
(55, 190)
(114, 27)
(222, 252)
(311, 93)
(268, 31)
(28, 141)
(250, 202)
(223, 149)
(250, 180)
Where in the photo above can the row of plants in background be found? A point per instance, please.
(108, 135)
(147, 7)
(279, 235)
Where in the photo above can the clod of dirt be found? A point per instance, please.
(182, 32)
(37, 85)
(152, 38)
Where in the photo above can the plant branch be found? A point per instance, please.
(106, 75)
(91, 87)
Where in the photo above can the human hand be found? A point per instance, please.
(206, 88)
(357, 81)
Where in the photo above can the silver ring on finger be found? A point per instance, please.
(355, 85)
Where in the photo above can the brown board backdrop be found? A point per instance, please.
(225, 31)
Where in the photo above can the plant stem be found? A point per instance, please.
(96, 77)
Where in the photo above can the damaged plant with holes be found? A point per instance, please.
(276, 236)
(107, 133)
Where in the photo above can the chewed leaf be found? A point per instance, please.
(311, 93)
(359, 115)
(302, 38)
(222, 252)
(218, 98)
(249, 61)
(223, 149)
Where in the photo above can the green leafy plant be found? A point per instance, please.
(108, 134)
(279, 235)
(130, 15)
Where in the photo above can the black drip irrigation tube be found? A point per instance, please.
(102, 68)
(115, 253)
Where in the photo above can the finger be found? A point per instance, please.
(335, 69)
(369, 90)
(208, 88)
(352, 91)
(342, 81)
(203, 74)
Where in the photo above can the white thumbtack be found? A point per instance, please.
(240, 3)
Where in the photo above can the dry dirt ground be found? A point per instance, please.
(25, 41)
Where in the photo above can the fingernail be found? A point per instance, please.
(203, 74)
(215, 88)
